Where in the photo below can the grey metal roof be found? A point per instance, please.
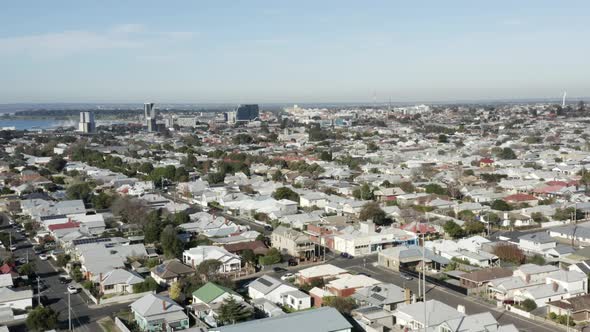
(324, 319)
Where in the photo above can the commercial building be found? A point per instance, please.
(243, 113)
(149, 111)
(87, 124)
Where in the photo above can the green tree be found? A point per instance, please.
(277, 176)
(466, 215)
(77, 274)
(146, 168)
(285, 193)
(27, 269)
(326, 156)
(372, 211)
(529, 305)
(453, 230)
(433, 188)
(249, 257)
(273, 256)
(175, 291)
(170, 243)
(539, 217)
(41, 319)
(56, 164)
(442, 138)
(232, 311)
(501, 205)
(79, 190)
(343, 304)
(474, 227)
(102, 201)
(181, 218)
(148, 285)
(209, 269)
(363, 193)
(507, 153)
(62, 260)
(214, 178)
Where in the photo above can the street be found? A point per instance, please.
(55, 294)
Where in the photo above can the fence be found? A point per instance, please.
(436, 281)
(120, 325)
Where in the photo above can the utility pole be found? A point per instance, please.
(69, 312)
(424, 281)
(38, 291)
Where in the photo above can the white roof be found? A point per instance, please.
(352, 281)
(321, 271)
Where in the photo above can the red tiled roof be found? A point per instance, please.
(520, 198)
(6, 268)
(416, 227)
(486, 161)
(69, 224)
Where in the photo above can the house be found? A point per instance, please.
(278, 292)
(384, 295)
(538, 243)
(481, 278)
(294, 243)
(159, 313)
(521, 199)
(16, 299)
(408, 257)
(119, 281)
(170, 271)
(229, 262)
(578, 308)
(441, 317)
(324, 319)
(324, 272)
(366, 240)
(486, 162)
(374, 318)
(101, 258)
(211, 293)
(346, 284)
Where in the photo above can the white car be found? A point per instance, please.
(287, 276)
(73, 289)
(13, 247)
(43, 257)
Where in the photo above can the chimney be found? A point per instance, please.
(100, 277)
(461, 308)
(408, 295)
(555, 286)
(163, 305)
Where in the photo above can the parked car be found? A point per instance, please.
(13, 247)
(43, 257)
(279, 269)
(65, 279)
(287, 276)
(344, 255)
(73, 289)
(406, 276)
(293, 262)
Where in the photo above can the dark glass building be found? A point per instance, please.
(247, 112)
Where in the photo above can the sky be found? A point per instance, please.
(292, 51)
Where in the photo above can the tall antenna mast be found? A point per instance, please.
(563, 100)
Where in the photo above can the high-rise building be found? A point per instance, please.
(149, 111)
(247, 113)
(86, 124)
(243, 113)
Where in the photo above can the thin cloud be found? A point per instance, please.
(60, 44)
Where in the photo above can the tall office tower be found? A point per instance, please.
(247, 113)
(86, 124)
(149, 111)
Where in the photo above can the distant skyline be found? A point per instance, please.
(292, 51)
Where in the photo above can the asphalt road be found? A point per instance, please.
(442, 294)
(55, 295)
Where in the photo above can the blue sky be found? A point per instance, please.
(292, 51)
